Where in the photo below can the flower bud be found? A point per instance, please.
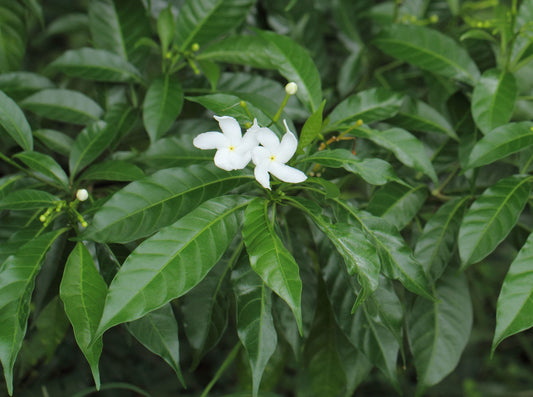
(291, 88)
(195, 47)
(82, 194)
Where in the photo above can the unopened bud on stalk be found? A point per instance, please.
(291, 88)
(195, 47)
(82, 194)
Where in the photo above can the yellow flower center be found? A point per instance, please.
(272, 157)
(232, 148)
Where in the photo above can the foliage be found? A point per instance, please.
(380, 273)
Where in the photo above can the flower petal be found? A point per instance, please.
(230, 127)
(240, 158)
(286, 173)
(249, 140)
(261, 155)
(262, 176)
(287, 148)
(267, 138)
(223, 159)
(210, 140)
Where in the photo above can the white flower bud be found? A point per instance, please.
(82, 194)
(291, 88)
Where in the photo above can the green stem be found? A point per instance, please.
(223, 367)
(281, 107)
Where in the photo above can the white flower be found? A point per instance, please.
(291, 88)
(272, 156)
(234, 151)
(82, 194)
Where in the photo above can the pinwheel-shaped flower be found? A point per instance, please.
(272, 156)
(234, 151)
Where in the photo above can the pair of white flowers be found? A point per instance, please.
(234, 151)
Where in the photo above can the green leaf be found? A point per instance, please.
(17, 281)
(117, 26)
(63, 105)
(146, 205)
(166, 25)
(162, 105)
(205, 308)
(158, 332)
(515, 302)
(439, 331)
(373, 170)
(112, 170)
(491, 217)
(21, 84)
(312, 128)
(397, 204)
(98, 65)
(416, 115)
(369, 106)
(359, 253)
(160, 268)
(255, 324)
(14, 122)
(83, 292)
(45, 167)
(89, 144)
(429, 50)
(54, 140)
(13, 34)
(200, 21)
(405, 146)
(365, 330)
(493, 99)
(270, 259)
(436, 244)
(27, 199)
(501, 142)
(269, 50)
(174, 151)
(397, 261)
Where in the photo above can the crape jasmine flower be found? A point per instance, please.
(272, 156)
(234, 151)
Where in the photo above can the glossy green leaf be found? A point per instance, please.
(13, 35)
(83, 292)
(397, 204)
(63, 105)
(174, 151)
(166, 25)
(270, 259)
(45, 167)
(117, 26)
(112, 170)
(17, 281)
(94, 64)
(436, 244)
(373, 170)
(397, 261)
(429, 50)
(20, 84)
(369, 106)
(365, 330)
(493, 99)
(312, 128)
(14, 122)
(200, 21)
(89, 144)
(255, 324)
(501, 142)
(491, 217)
(162, 105)
(146, 205)
(416, 115)
(439, 331)
(173, 261)
(359, 253)
(405, 146)
(321, 356)
(269, 50)
(54, 140)
(206, 307)
(354, 363)
(515, 303)
(27, 199)
(158, 332)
